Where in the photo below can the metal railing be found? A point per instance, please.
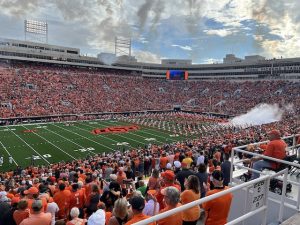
(262, 208)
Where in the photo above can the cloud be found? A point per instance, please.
(219, 32)
(274, 28)
(211, 61)
(186, 47)
(146, 56)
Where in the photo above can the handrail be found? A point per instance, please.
(238, 149)
(200, 201)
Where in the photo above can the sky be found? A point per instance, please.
(201, 30)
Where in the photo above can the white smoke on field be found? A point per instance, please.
(260, 114)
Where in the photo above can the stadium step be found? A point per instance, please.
(294, 220)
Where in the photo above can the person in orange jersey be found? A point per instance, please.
(217, 210)
(77, 199)
(62, 199)
(191, 193)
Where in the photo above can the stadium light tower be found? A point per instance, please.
(122, 46)
(35, 30)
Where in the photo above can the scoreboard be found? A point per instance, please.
(177, 75)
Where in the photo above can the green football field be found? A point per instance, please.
(55, 142)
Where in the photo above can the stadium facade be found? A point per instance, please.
(252, 67)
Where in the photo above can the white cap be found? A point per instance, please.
(177, 164)
(168, 166)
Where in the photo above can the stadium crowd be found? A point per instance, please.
(126, 187)
(35, 90)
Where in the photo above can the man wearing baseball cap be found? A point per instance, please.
(168, 181)
(37, 217)
(31, 195)
(137, 205)
(217, 210)
(275, 149)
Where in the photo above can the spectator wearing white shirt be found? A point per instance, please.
(52, 208)
(152, 206)
(200, 159)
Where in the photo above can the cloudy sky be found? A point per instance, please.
(201, 30)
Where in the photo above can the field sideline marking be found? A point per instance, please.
(8, 153)
(116, 134)
(29, 146)
(84, 137)
(52, 144)
(136, 134)
(69, 140)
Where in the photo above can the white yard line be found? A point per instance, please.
(30, 146)
(84, 137)
(132, 133)
(8, 153)
(70, 140)
(114, 134)
(52, 144)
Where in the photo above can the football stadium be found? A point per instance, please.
(149, 112)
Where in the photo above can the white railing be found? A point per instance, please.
(292, 148)
(249, 186)
(239, 149)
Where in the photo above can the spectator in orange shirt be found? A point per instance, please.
(33, 194)
(275, 149)
(168, 181)
(217, 210)
(171, 199)
(153, 183)
(191, 193)
(163, 160)
(38, 217)
(22, 212)
(137, 205)
(77, 199)
(75, 220)
(62, 199)
(217, 155)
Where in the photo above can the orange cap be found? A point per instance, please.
(32, 190)
(151, 192)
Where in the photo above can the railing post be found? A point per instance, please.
(246, 202)
(231, 166)
(283, 193)
(294, 145)
(265, 213)
(298, 199)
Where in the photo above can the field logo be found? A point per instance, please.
(29, 131)
(115, 129)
